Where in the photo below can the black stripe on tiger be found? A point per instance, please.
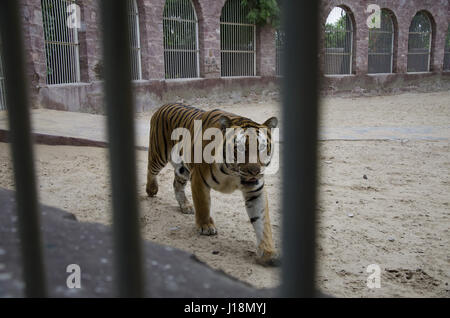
(223, 170)
(256, 190)
(204, 181)
(248, 200)
(254, 219)
(212, 175)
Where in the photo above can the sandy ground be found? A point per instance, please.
(396, 217)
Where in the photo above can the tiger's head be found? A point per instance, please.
(249, 146)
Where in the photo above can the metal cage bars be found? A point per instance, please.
(21, 149)
(61, 42)
(339, 45)
(135, 40)
(237, 41)
(181, 46)
(447, 51)
(2, 81)
(300, 109)
(381, 46)
(419, 44)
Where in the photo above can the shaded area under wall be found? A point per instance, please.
(169, 272)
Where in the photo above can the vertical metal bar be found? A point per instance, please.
(119, 107)
(392, 43)
(197, 46)
(138, 42)
(429, 43)
(300, 116)
(67, 38)
(254, 50)
(60, 61)
(22, 150)
(350, 67)
(165, 40)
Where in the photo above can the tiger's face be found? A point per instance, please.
(250, 145)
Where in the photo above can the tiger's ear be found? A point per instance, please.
(224, 122)
(272, 122)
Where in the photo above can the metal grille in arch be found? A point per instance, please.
(419, 43)
(180, 29)
(338, 42)
(135, 41)
(237, 41)
(381, 45)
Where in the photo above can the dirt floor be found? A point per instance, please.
(381, 202)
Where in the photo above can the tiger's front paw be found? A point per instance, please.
(152, 188)
(207, 229)
(268, 259)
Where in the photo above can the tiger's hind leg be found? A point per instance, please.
(181, 178)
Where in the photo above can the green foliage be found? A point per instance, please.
(336, 34)
(262, 12)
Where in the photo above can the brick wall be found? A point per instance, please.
(154, 89)
(403, 11)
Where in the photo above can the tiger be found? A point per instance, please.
(223, 177)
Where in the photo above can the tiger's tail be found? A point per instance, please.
(157, 152)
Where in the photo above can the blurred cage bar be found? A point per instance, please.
(237, 41)
(419, 43)
(300, 112)
(22, 149)
(180, 31)
(122, 158)
(61, 42)
(135, 41)
(2, 81)
(381, 45)
(447, 51)
(299, 157)
(279, 47)
(339, 44)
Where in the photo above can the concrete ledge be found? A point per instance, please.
(150, 94)
(53, 140)
(169, 272)
(386, 83)
(54, 127)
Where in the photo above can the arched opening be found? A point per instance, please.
(419, 43)
(135, 40)
(2, 81)
(237, 41)
(339, 42)
(381, 45)
(181, 47)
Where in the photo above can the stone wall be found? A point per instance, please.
(403, 12)
(153, 89)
